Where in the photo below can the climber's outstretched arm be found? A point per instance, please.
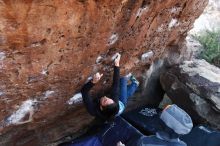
(88, 101)
(116, 79)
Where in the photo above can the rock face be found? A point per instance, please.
(48, 49)
(195, 86)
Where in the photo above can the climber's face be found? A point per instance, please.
(104, 101)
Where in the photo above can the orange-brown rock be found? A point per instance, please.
(48, 48)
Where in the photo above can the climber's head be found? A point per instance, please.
(105, 101)
(108, 106)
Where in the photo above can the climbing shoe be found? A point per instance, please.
(134, 80)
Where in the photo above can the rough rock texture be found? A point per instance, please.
(49, 48)
(208, 20)
(195, 86)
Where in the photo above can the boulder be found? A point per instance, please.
(48, 49)
(195, 87)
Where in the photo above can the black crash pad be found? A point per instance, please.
(145, 118)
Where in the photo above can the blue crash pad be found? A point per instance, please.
(120, 130)
(110, 135)
(88, 141)
(202, 136)
(145, 118)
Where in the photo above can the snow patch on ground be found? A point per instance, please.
(77, 98)
(27, 107)
(203, 69)
(113, 39)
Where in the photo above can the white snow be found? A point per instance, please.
(2, 56)
(173, 23)
(202, 68)
(146, 56)
(25, 108)
(77, 98)
(113, 39)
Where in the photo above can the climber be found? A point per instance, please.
(174, 123)
(107, 107)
